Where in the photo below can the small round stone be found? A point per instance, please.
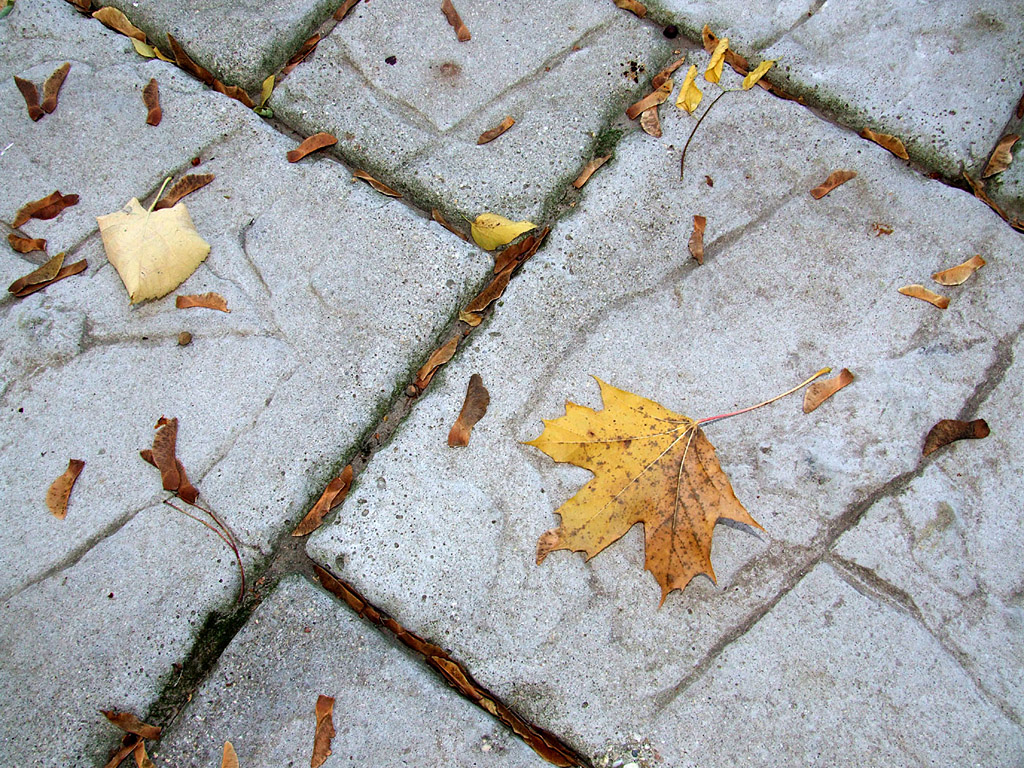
(184, 339)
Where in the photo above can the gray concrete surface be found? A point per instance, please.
(875, 621)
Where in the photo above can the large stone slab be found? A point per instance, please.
(241, 43)
(560, 70)
(389, 708)
(951, 544)
(833, 677)
(445, 539)
(97, 143)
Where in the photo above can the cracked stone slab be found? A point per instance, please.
(241, 43)
(565, 68)
(105, 635)
(444, 539)
(389, 708)
(951, 543)
(891, 693)
(97, 143)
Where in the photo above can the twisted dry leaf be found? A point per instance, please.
(344, 8)
(666, 73)
(835, 179)
(31, 96)
(141, 758)
(440, 219)
(60, 491)
(696, 244)
(950, 430)
(959, 274)
(333, 495)
(461, 31)
(118, 22)
(733, 59)
(820, 391)
(887, 141)
(920, 292)
(183, 60)
(496, 131)
(324, 730)
(473, 409)
(51, 88)
(312, 144)
(203, 301)
(127, 747)
(690, 95)
(29, 287)
(713, 73)
(633, 6)
(45, 208)
(439, 357)
(380, 186)
(234, 92)
(151, 98)
(186, 185)
(301, 55)
(589, 169)
(162, 456)
(653, 99)
(997, 163)
(129, 723)
(505, 264)
(26, 244)
(42, 274)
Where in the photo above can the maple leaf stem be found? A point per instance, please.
(222, 532)
(164, 186)
(799, 386)
(682, 161)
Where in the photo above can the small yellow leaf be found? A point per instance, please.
(751, 79)
(163, 56)
(714, 71)
(153, 251)
(268, 88)
(143, 49)
(492, 231)
(689, 95)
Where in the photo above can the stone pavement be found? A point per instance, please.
(877, 619)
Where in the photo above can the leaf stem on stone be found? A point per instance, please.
(682, 162)
(222, 531)
(168, 181)
(798, 387)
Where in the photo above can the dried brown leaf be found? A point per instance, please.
(202, 300)
(186, 185)
(127, 747)
(60, 490)
(184, 61)
(44, 208)
(653, 99)
(26, 244)
(51, 88)
(589, 169)
(324, 731)
(344, 8)
(312, 144)
(163, 453)
(696, 244)
(151, 98)
(633, 6)
(235, 92)
(42, 274)
(229, 759)
(920, 292)
(118, 22)
(66, 271)
(380, 186)
(496, 131)
(959, 274)
(141, 758)
(650, 122)
(440, 219)
(333, 495)
(473, 409)
(302, 54)
(835, 179)
(439, 357)
(659, 79)
(129, 723)
(997, 163)
(82, 6)
(820, 391)
(461, 31)
(950, 430)
(887, 141)
(186, 490)
(978, 187)
(515, 255)
(31, 96)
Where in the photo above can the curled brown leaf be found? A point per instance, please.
(696, 244)
(344, 8)
(43, 274)
(66, 271)
(45, 208)
(439, 357)
(380, 186)
(118, 22)
(496, 131)
(634, 6)
(82, 6)
(26, 244)
(127, 747)
(142, 760)
(978, 187)
(324, 730)
(835, 179)
(302, 54)
(653, 99)
(60, 491)
(312, 144)
(950, 430)
(163, 453)
(234, 92)
(440, 219)
(184, 61)
(887, 141)
(589, 169)
(461, 31)
(820, 391)
(203, 301)
(51, 88)
(650, 123)
(151, 98)
(473, 409)
(332, 496)
(517, 254)
(186, 185)
(920, 292)
(959, 274)
(666, 73)
(129, 723)
(997, 163)
(31, 96)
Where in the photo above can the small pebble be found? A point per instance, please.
(392, 60)
(184, 339)
(671, 32)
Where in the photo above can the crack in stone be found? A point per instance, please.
(816, 6)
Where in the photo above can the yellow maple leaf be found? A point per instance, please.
(689, 95)
(714, 71)
(752, 77)
(650, 466)
(492, 231)
(153, 251)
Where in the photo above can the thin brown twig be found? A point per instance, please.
(682, 161)
(222, 531)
